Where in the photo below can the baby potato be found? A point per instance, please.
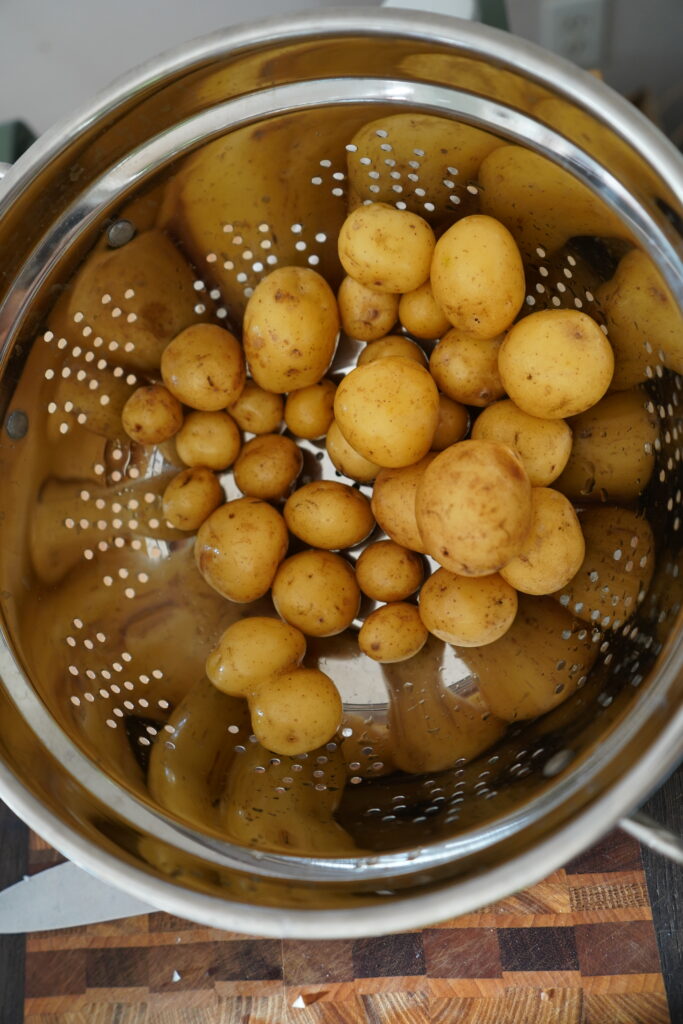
(451, 425)
(392, 633)
(267, 466)
(296, 711)
(204, 367)
(251, 651)
(421, 315)
(208, 439)
(346, 459)
(317, 592)
(374, 403)
(477, 276)
(257, 411)
(466, 611)
(309, 411)
(290, 329)
(393, 503)
(366, 314)
(543, 445)
(385, 571)
(473, 507)
(613, 455)
(152, 415)
(616, 570)
(466, 368)
(554, 547)
(239, 547)
(328, 514)
(191, 497)
(556, 363)
(392, 345)
(386, 249)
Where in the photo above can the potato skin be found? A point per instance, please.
(309, 411)
(317, 592)
(346, 459)
(385, 571)
(327, 514)
(466, 368)
(152, 415)
(421, 315)
(393, 503)
(544, 446)
(252, 650)
(554, 548)
(366, 314)
(256, 410)
(191, 497)
(392, 345)
(203, 367)
(452, 424)
(267, 466)
(208, 439)
(386, 249)
(296, 711)
(392, 633)
(466, 611)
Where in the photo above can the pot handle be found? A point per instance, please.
(646, 830)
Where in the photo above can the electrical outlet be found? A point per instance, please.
(574, 29)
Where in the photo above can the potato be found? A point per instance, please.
(327, 514)
(366, 314)
(208, 439)
(309, 411)
(617, 568)
(239, 547)
(296, 711)
(346, 459)
(473, 507)
(257, 411)
(267, 466)
(543, 658)
(392, 633)
(252, 650)
(421, 315)
(374, 403)
(386, 249)
(543, 445)
(291, 325)
(191, 497)
(556, 363)
(152, 415)
(451, 425)
(467, 611)
(392, 345)
(385, 571)
(613, 455)
(317, 592)
(554, 547)
(393, 503)
(477, 276)
(466, 368)
(203, 367)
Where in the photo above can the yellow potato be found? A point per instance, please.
(421, 315)
(257, 411)
(203, 367)
(328, 514)
(466, 368)
(477, 276)
(317, 592)
(291, 325)
(374, 403)
(473, 507)
(392, 633)
(309, 411)
(208, 439)
(296, 711)
(366, 314)
(452, 424)
(556, 363)
(613, 455)
(544, 446)
(554, 547)
(346, 459)
(388, 572)
(393, 503)
(267, 466)
(239, 548)
(386, 249)
(466, 611)
(392, 345)
(152, 415)
(191, 497)
(252, 650)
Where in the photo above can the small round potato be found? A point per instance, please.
(386, 249)
(466, 368)
(543, 446)
(477, 276)
(204, 367)
(393, 503)
(473, 507)
(257, 411)
(327, 514)
(366, 314)
(309, 411)
(556, 363)
(554, 547)
(392, 345)
(317, 592)
(388, 572)
(392, 633)
(239, 547)
(452, 424)
(375, 403)
(296, 712)
(465, 611)
(421, 315)
(346, 459)
(268, 466)
(152, 415)
(191, 497)
(252, 650)
(208, 439)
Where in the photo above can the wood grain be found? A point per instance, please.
(13, 865)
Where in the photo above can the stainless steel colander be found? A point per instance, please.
(106, 622)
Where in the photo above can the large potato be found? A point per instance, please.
(375, 402)
(554, 547)
(290, 329)
(394, 632)
(393, 503)
(473, 507)
(477, 276)
(203, 367)
(317, 592)
(267, 466)
(366, 314)
(295, 712)
(309, 411)
(392, 345)
(465, 610)
(466, 368)
(543, 445)
(346, 459)
(387, 572)
(421, 315)
(386, 249)
(328, 514)
(252, 650)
